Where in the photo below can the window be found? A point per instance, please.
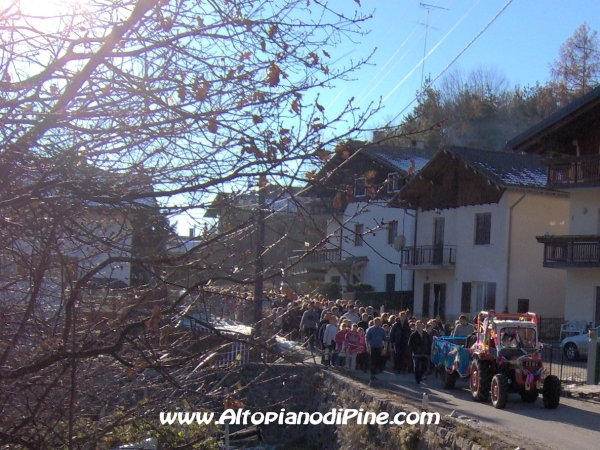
(358, 232)
(393, 182)
(483, 226)
(484, 297)
(465, 298)
(392, 228)
(426, 296)
(523, 305)
(335, 279)
(390, 282)
(360, 187)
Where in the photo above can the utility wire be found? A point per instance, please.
(451, 62)
(428, 54)
(388, 61)
(381, 79)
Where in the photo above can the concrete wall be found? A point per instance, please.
(533, 216)
(581, 283)
(585, 211)
(581, 294)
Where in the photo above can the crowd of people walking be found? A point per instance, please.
(352, 337)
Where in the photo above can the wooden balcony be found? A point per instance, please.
(324, 255)
(563, 252)
(574, 171)
(429, 257)
(319, 260)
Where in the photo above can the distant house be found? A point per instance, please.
(69, 232)
(354, 192)
(288, 229)
(478, 213)
(569, 140)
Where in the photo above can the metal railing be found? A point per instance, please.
(574, 170)
(429, 255)
(323, 255)
(556, 363)
(576, 251)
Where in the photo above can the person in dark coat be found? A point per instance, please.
(399, 340)
(420, 346)
(364, 322)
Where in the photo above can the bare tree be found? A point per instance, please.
(117, 116)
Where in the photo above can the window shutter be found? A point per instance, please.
(426, 294)
(491, 296)
(488, 228)
(465, 299)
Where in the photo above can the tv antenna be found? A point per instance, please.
(429, 8)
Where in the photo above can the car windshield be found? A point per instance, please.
(518, 337)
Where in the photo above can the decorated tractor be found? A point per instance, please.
(505, 358)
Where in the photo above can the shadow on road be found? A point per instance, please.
(576, 413)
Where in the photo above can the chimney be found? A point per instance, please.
(378, 136)
(418, 144)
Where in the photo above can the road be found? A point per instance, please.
(574, 424)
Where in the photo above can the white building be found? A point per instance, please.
(356, 193)
(570, 140)
(478, 214)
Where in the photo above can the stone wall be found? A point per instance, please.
(306, 388)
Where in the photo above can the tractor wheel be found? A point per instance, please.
(530, 396)
(481, 379)
(449, 379)
(551, 392)
(499, 391)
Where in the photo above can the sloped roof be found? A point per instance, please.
(461, 176)
(504, 169)
(277, 198)
(399, 158)
(352, 158)
(563, 116)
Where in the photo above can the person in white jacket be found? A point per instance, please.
(329, 340)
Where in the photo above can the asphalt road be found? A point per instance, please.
(575, 424)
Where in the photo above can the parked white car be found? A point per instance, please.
(575, 347)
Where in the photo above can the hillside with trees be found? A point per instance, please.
(480, 109)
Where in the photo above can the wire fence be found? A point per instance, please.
(549, 328)
(568, 371)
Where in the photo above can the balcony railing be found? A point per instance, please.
(324, 255)
(574, 171)
(428, 256)
(571, 251)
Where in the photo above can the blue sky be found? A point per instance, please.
(521, 43)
